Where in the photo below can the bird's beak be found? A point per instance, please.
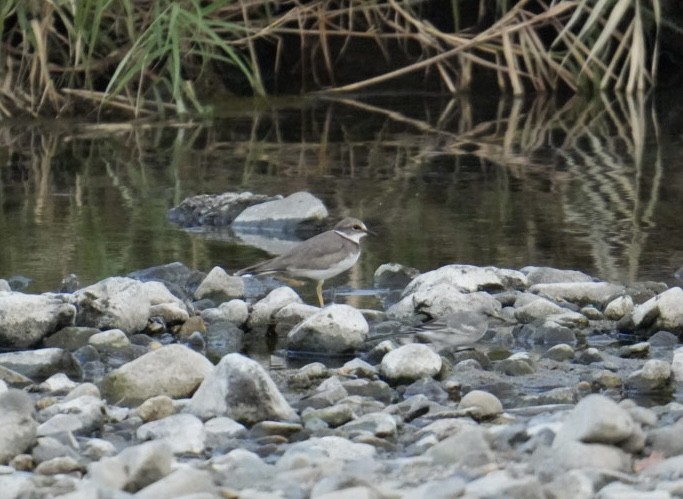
(368, 231)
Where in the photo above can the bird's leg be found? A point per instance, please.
(319, 290)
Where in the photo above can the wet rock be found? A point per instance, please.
(409, 363)
(334, 329)
(111, 339)
(653, 376)
(467, 449)
(595, 419)
(184, 433)
(120, 303)
(220, 430)
(41, 364)
(70, 338)
(57, 384)
(240, 388)
(547, 333)
(519, 364)
(394, 276)
(133, 468)
(4, 286)
(379, 424)
(581, 293)
(663, 339)
(442, 300)
(677, 365)
(573, 455)
(619, 307)
(27, 319)
(18, 424)
(333, 416)
(223, 338)
(265, 309)
(536, 310)
(173, 370)
(155, 408)
(468, 278)
(589, 356)
(292, 314)
(214, 209)
(47, 448)
(547, 275)
(503, 483)
(605, 379)
(481, 405)
(220, 286)
(635, 351)
(281, 214)
(560, 352)
(90, 412)
(670, 304)
(234, 311)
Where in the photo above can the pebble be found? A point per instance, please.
(409, 363)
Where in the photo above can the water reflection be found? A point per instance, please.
(586, 184)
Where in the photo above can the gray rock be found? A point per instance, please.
(133, 468)
(109, 340)
(653, 376)
(13, 378)
(571, 485)
(155, 408)
(376, 390)
(595, 419)
(89, 410)
(560, 352)
(120, 303)
(282, 214)
(481, 404)
(578, 455)
(60, 423)
(241, 389)
(547, 333)
(334, 329)
(4, 286)
(170, 313)
(668, 469)
(581, 293)
(443, 300)
(19, 427)
(536, 310)
(57, 384)
(394, 276)
(47, 448)
(547, 275)
(670, 304)
(184, 433)
(292, 314)
(184, 482)
(235, 311)
(337, 448)
(333, 416)
(70, 338)
(467, 449)
(380, 424)
(677, 365)
(619, 490)
(504, 484)
(173, 370)
(619, 307)
(409, 363)
(221, 429)
(214, 209)
(218, 285)
(27, 319)
(357, 492)
(468, 278)
(42, 363)
(265, 309)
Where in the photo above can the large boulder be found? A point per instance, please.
(281, 215)
(27, 319)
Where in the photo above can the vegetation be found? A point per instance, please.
(151, 57)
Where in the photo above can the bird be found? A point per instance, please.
(319, 258)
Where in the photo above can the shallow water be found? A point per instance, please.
(589, 185)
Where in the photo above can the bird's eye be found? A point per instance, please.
(357, 227)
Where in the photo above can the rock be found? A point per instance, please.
(574, 484)
(219, 430)
(468, 278)
(70, 338)
(618, 490)
(27, 319)
(19, 427)
(571, 455)
(442, 300)
(173, 370)
(663, 339)
(240, 388)
(58, 465)
(89, 410)
(223, 338)
(394, 276)
(183, 482)
(334, 329)
(668, 439)
(170, 313)
(333, 416)
(281, 215)
(358, 492)
(409, 363)
(581, 293)
(264, 310)
(653, 376)
(336, 448)
(109, 340)
(559, 353)
(547, 275)
(467, 449)
(503, 483)
(481, 405)
(120, 303)
(48, 448)
(155, 408)
(214, 209)
(677, 365)
(670, 304)
(184, 433)
(57, 383)
(595, 419)
(233, 311)
(536, 310)
(292, 314)
(547, 333)
(379, 424)
(133, 468)
(60, 424)
(220, 286)
(41, 364)
(619, 307)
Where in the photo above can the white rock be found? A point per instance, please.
(184, 482)
(171, 313)
(90, 412)
(218, 283)
(333, 447)
(17, 423)
(582, 293)
(265, 309)
(482, 404)
(220, 429)
(42, 363)
(241, 389)
(334, 329)
(235, 311)
(537, 309)
(184, 433)
(546, 275)
(410, 362)
(670, 304)
(27, 319)
(468, 278)
(442, 300)
(677, 364)
(172, 370)
(619, 307)
(112, 338)
(502, 483)
(294, 208)
(120, 303)
(596, 419)
(59, 382)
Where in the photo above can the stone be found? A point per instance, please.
(281, 214)
(677, 365)
(70, 338)
(467, 449)
(184, 433)
(574, 484)
(670, 304)
(394, 276)
(379, 424)
(26, 319)
(109, 340)
(173, 370)
(655, 375)
(443, 300)
(481, 404)
(547, 275)
(595, 419)
(502, 483)
(264, 310)
(214, 209)
(409, 363)
(57, 384)
(235, 311)
(218, 285)
(619, 490)
(469, 278)
(559, 353)
(219, 430)
(537, 310)
(170, 313)
(572, 455)
(241, 389)
(120, 303)
(184, 482)
(42, 363)
(90, 412)
(334, 329)
(17, 414)
(619, 307)
(667, 439)
(336, 448)
(581, 293)
(155, 408)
